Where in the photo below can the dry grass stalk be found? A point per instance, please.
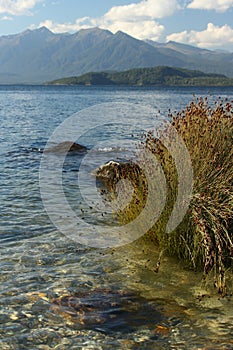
(204, 239)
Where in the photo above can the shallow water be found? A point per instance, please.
(38, 263)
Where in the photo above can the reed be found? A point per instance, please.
(204, 239)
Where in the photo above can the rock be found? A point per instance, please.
(66, 146)
(108, 310)
(110, 173)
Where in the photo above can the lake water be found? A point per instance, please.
(171, 309)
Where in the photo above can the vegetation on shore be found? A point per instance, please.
(204, 239)
(161, 75)
(205, 236)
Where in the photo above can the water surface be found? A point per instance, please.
(38, 263)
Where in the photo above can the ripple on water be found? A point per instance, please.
(39, 265)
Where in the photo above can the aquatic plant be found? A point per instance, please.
(204, 239)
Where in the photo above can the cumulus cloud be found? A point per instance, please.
(212, 37)
(18, 7)
(146, 9)
(137, 20)
(141, 30)
(218, 5)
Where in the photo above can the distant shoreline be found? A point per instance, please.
(111, 86)
(158, 76)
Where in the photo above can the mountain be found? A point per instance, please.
(36, 56)
(194, 58)
(160, 75)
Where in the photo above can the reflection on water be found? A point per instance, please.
(121, 302)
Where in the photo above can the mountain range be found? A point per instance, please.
(37, 56)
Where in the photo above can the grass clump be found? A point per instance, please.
(204, 239)
(205, 236)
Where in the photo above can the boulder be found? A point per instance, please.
(111, 172)
(66, 146)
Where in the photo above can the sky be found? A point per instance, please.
(202, 23)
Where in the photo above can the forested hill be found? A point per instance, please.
(161, 75)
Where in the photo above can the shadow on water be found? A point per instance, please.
(108, 311)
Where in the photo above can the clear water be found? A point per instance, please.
(38, 263)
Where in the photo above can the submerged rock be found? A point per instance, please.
(107, 310)
(66, 146)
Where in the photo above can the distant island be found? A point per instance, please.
(156, 76)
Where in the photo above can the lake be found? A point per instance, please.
(121, 303)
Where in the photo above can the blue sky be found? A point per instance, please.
(202, 23)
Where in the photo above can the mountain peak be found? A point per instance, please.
(121, 34)
(43, 29)
(94, 32)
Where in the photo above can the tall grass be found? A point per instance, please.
(204, 239)
(205, 236)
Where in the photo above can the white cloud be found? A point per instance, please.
(137, 20)
(218, 5)
(212, 37)
(146, 9)
(18, 7)
(142, 30)
(6, 18)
